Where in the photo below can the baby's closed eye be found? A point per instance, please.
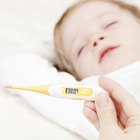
(81, 49)
(110, 24)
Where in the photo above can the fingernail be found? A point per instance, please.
(102, 100)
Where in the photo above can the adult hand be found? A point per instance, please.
(116, 115)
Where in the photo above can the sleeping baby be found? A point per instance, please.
(97, 37)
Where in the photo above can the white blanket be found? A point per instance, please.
(30, 69)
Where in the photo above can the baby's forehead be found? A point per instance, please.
(94, 6)
(89, 10)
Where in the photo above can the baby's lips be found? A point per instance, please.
(105, 50)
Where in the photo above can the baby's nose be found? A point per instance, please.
(95, 43)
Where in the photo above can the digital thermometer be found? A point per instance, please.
(83, 92)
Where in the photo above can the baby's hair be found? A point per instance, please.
(62, 62)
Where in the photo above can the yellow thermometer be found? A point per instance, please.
(79, 92)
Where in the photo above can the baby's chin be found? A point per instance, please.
(105, 69)
(102, 71)
(116, 66)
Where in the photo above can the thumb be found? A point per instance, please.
(106, 113)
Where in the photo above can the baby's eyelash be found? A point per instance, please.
(110, 24)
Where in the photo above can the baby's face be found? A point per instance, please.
(100, 37)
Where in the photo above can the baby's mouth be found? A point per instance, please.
(106, 50)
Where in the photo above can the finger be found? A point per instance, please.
(90, 104)
(106, 112)
(91, 116)
(128, 103)
(120, 113)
